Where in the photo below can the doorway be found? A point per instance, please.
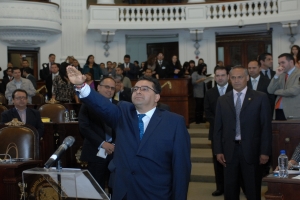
(16, 56)
(240, 49)
(167, 48)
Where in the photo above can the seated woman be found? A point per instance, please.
(63, 90)
(89, 80)
(92, 67)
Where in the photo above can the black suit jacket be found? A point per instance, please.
(32, 79)
(5, 80)
(262, 86)
(255, 123)
(33, 118)
(93, 129)
(132, 73)
(210, 104)
(125, 95)
(163, 69)
(272, 74)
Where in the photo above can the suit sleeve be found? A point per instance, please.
(4, 117)
(210, 116)
(181, 162)
(31, 90)
(266, 126)
(217, 135)
(274, 85)
(290, 91)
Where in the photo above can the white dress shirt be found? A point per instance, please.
(147, 118)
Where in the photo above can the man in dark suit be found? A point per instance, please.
(46, 67)
(151, 158)
(129, 69)
(242, 136)
(162, 66)
(97, 135)
(6, 79)
(28, 75)
(49, 80)
(266, 63)
(26, 115)
(210, 103)
(259, 82)
(121, 93)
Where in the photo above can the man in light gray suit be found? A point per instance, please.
(285, 84)
(19, 83)
(28, 75)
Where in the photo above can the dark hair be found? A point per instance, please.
(149, 69)
(177, 64)
(200, 69)
(25, 60)
(192, 61)
(127, 56)
(221, 68)
(263, 57)
(298, 54)
(201, 59)
(186, 65)
(240, 67)
(51, 54)
(288, 57)
(9, 68)
(108, 62)
(137, 62)
(102, 63)
(160, 53)
(15, 68)
(55, 64)
(87, 60)
(106, 77)
(27, 70)
(119, 66)
(156, 84)
(19, 90)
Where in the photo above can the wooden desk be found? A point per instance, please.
(11, 175)
(285, 136)
(282, 188)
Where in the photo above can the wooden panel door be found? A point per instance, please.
(168, 49)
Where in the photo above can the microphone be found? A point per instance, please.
(68, 142)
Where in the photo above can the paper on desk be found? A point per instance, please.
(290, 172)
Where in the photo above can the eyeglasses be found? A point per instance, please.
(20, 98)
(237, 77)
(142, 88)
(108, 87)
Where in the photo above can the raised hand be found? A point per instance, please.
(75, 76)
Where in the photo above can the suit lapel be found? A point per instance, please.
(248, 98)
(230, 101)
(154, 121)
(16, 114)
(291, 77)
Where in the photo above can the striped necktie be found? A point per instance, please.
(141, 125)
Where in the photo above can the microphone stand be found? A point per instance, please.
(59, 169)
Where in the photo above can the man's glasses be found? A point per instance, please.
(20, 98)
(108, 87)
(142, 88)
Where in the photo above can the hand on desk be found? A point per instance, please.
(263, 159)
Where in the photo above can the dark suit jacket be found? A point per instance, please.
(210, 104)
(94, 130)
(125, 95)
(33, 118)
(272, 74)
(163, 106)
(262, 86)
(5, 80)
(163, 69)
(132, 73)
(255, 122)
(32, 79)
(156, 167)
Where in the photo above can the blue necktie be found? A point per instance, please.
(238, 106)
(141, 125)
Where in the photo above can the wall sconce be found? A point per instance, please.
(107, 37)
(196, 35)
(291, 29)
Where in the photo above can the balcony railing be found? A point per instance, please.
(193, 15)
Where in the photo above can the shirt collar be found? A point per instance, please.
(149, 113)
(20, 110)
(257, 78)
(291, 71)
(243, 91)
(225, 86)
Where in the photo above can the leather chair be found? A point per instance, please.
(54, 111)
(3, 99)
(38, 99)
(25, 138)
(2, 109)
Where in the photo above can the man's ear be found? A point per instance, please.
(157, 97)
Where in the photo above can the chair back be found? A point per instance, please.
(19, 141)
(38, 99)
(54, 111)
(2, 109)
(3, 99)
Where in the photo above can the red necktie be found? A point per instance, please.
(280, 98)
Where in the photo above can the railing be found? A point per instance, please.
(193, 15)
(152, 14)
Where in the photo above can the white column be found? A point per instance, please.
(105, 2)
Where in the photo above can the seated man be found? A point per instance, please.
(26, 115)
(19, 83)
(148, 72)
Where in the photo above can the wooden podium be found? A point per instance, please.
(11, 175)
